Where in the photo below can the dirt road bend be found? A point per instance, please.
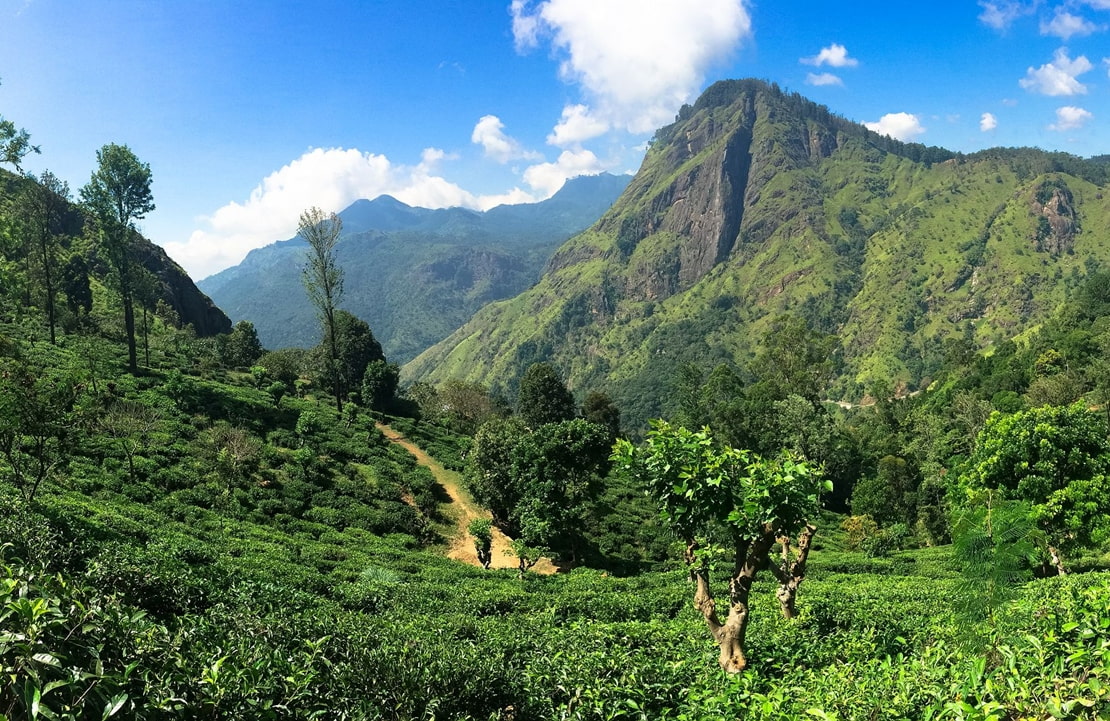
(462, 510)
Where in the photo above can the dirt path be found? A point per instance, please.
(462, 510)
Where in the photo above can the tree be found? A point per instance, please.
(537, 483)
(793, 358)
(888, 496)
(543, 397)
(118, 194)
(131, 424)
(556, 468)
(45, 203)
(323, 280)
(37, 414)
(482, 531)
(489, 467)
(76, 286)
(358, 348)
(379, 384)
(14, 144)
(993, 543)
(285, 365)
(599, 408)
(463, 405)
(722, 500)
(241, 348)
(1057, 460)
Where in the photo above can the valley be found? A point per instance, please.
(800, 421)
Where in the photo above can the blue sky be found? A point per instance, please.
(248, 112)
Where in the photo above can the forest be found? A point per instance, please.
(198, 527)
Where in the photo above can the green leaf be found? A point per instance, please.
(114, 706)
(31, 698)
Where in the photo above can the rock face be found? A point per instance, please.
(180, 292)
(756, 203)
(1057, 223)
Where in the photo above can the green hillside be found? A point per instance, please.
(203, 551)
(755, 203)
(169, 284)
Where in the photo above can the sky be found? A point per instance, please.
(251, 111)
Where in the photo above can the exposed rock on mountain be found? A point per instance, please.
(756, 203)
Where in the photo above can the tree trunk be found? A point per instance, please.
(1056, 561)
(792, 571)
(730, 635)
(129, 326)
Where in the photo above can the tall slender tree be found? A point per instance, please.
(323, 280)
(45, 201)
(118, 194)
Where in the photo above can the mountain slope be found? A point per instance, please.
(756, 203)
(415, 275)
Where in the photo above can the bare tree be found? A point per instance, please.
(323, 280)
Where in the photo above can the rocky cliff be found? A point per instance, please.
(757, 203)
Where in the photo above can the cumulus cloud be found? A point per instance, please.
(1059, 76)
(987, 122)
(546, 178)
(835, 56)
(526, 27)
(1070, 117)
(900, 126)
(1000, 15)
(577, 125)
(489, 132)
(637, 62)
(1064, 25)
(332, 179)
(823, 79)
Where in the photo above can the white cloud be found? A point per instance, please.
(823, 79)
(1059, 76)
(546, 178)
(900, 126)
(1064, 25)
(1000, 15)
(835, 56)
(1070, 117)
(526, 28)
(330, 178)
(637, 62)
(489, 132)
(1099, 4)
(576, 125)
(987, 122)
(512, 197)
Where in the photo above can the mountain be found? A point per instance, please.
(755, 203)
(415, 275)
(173, 285)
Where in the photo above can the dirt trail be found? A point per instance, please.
(463, 510)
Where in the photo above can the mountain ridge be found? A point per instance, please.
(756, 203)
(414, 274)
